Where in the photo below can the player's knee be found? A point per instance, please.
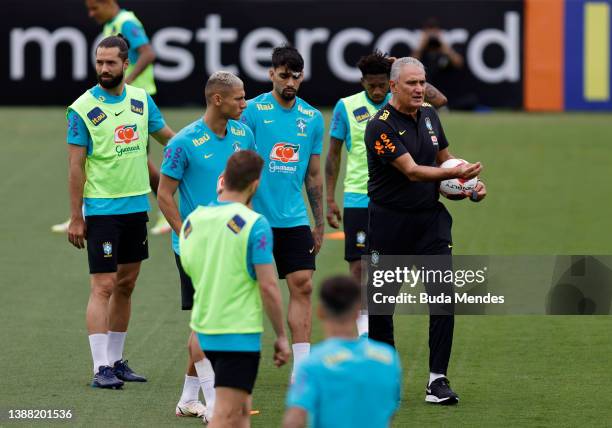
(228, 417)
(194, 349)
(126, 284)
(303, 287)
(103, 287)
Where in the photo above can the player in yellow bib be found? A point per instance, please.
(226, 249)
(139, 72)
(108, 132)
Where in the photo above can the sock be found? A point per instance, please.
(434, 376)
(98, 344)
(191, 389)
(300, 352)
(206, 376)
(362, 323)
(116, 340)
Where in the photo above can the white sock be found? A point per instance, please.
(362, 323)
(300, 352)
(116, 340)
(434, 376)
(191, 389)
(206, 376)
(98, 343)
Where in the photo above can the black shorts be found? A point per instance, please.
(115, 240)
(186, 286)
(293, 249)
(426, 232)
(234, 369)
(423, 232)
(355, 233)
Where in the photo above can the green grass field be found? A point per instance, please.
(546, 178)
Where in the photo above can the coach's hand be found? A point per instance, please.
(317, 236)
(479, 192)
(281, 351)
(333, 214)
(77, 232)
(468, 170)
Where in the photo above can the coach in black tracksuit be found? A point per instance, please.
(405, 144)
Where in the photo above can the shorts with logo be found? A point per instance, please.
(186, 286)
(355, 233)
(234, 369)
(293, 249)
(115, 240)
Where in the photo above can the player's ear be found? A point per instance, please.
(271, 73)
(218, 99)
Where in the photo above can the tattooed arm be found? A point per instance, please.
(314, 190)
(434, 97)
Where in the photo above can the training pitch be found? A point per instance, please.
(547, 178)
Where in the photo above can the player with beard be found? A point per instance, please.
(139, 72)
(108, 131)
(289, 136)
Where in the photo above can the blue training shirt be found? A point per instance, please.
(196, 157)
(348, 383)
(136, 36)
(285, 139)
(340, 129)
(259, 252)
(78, 134)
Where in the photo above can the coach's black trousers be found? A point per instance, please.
(423, 232)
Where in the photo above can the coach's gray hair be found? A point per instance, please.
(400, 62)
(221, 81)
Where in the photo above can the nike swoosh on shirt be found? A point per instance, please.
(117, 114)
(268, 121)
(402, 132)
(208, 156)
(311, 250)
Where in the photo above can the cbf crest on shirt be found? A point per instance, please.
(285, 139)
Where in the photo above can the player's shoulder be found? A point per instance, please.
(260, 223)
(194, 217)
(378, 351)
(327, 348)
(238, 129)
(262, 102)
(129, 17)
(304, 108)
(187, 133)
(350, 98)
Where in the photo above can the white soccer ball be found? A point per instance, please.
(454, 188)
